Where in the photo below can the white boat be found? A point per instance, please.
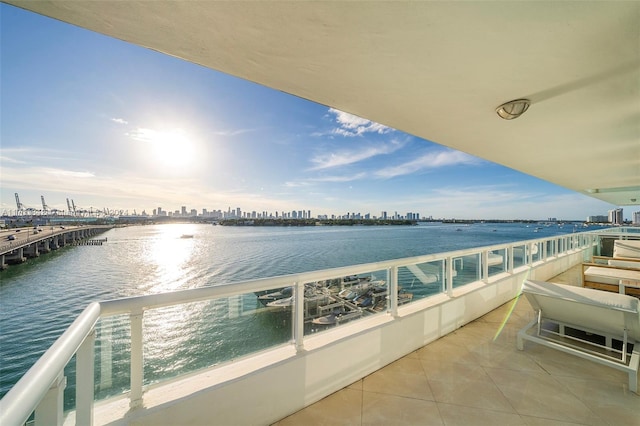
(313, 297)
(267, 298)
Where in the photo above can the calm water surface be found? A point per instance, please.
(40, 298)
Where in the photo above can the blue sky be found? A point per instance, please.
(112, 125)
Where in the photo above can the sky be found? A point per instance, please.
(111, 125)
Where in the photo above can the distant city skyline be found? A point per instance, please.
(614, 216)
(114, 126)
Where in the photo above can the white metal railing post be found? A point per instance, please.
(137, 365)
(510, 257)
(50, 409)
(298, 316)
(485, 265)
(392, 279)
(448, 264)
(85, 380)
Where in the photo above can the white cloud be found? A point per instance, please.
(350, 178)
(431, 160)
(343, 158)
(143, 135)
(352, 125)
(6, 159)
(119, 121)
(311, 181)
(67, 173)
(232, 132)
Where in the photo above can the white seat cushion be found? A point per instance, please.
(624, 263)
(626, 248)
(598, 274)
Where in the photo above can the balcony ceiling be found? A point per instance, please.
(436, 70)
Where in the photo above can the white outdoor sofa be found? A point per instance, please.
(620, 273)
(571, 319)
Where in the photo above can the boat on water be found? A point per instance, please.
(314, 295)
(266, 298)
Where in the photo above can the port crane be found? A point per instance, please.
(45, 207)
(19, 204)
(22, 209)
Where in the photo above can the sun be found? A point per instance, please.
(171, 148)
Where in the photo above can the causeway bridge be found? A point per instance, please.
(19, 244)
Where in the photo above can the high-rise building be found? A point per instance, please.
(615, 216)
(183, 211)
(636, 218)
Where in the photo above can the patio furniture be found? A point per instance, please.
(579, 320)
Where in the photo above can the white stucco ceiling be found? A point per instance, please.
(434, 69)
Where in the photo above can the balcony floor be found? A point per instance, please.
(477, 376)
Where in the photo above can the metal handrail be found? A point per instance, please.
(18, 404)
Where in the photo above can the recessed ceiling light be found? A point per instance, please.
(513, 109)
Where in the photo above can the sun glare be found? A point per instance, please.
(172, 148)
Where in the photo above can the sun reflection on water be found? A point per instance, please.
(169, 254)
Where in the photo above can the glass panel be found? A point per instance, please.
(188, 337)
(466, 269)
(334, 302)
(421, 280)
(550, 248)
(519, 258)
(497, 260)
(112, 360)
(184, 338)
(113, 356)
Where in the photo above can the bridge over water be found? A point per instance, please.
(18, 245)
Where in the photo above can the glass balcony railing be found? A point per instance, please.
(123, 345)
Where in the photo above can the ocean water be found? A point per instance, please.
(40, 298)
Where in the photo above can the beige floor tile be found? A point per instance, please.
(540, 421)
(404, 377)
(497, 356)
(388, 410)
(413, 355)
(540, 395)
(456, 415)
(341, 408)
(454, 372)
(612, 401)
(356, 385)
(471, 393)
(477, 334)
(558, 363)
(450, 349)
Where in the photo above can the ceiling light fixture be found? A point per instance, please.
(513, 109)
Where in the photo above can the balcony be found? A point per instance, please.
(447, 353)
(476, 375)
